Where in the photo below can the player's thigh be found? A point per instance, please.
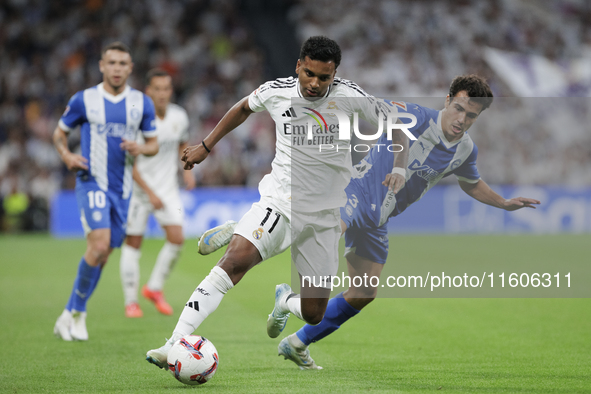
(369, 243)
(98, 246)
(366, 251)
(314, 249)
(138, 213)
(266, 227)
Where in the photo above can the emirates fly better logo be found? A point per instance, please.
(318, 124)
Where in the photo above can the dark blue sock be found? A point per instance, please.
(337, 312)
(83, 286)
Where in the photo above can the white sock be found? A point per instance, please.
(204, 300)
(129, 269)
(165, 261)
(293, 305)
(296, 342)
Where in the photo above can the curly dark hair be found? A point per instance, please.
(321, 48)
(476, 87)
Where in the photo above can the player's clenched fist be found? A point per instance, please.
(131, 146)
(394, 182)
(193, 155)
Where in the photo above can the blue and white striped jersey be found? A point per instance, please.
(106, 119)
(431, 158)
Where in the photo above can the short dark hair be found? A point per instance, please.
(117, 46)
(476, 87)
(321, 48)
(156, 72)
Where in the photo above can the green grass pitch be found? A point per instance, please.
(394, 345)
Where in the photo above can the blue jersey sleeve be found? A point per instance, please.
(148, 124)
(468, 172)
(75, 113)
(419, 112)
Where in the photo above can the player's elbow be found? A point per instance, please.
(57, 134)
(468, 187)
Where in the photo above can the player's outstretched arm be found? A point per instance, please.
(233, 118)
(73, 161)
(483, 193)
(149, 148)
(396, 180)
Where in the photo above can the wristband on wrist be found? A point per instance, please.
(205, 146)
(399, 171)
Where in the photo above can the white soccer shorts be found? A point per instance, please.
(140, 208)
(316, 235)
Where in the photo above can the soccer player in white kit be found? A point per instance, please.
(156, 191)
(271, 226)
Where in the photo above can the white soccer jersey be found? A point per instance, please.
(160, 171)
(318, 177)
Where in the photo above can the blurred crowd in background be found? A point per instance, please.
(414, 48)
(50, 50)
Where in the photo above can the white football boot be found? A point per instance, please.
(159, 357)
(78, 328)
(293, 349)
(277, 319)
(216, 238)
(62, 326)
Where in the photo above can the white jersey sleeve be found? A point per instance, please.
(258, 99)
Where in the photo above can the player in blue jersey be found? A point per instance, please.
(109, 115)
(442, 148)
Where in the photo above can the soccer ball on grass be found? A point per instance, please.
(193, 360)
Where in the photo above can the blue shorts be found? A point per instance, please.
(362, 237)
(100, 209)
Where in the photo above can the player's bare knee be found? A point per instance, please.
(363, 302)
(178, 241)
(135, 241)
(97, 253)
(100, 250)
(236, 265)
(313, 308)
(359, 298)
(367, 293)
(316, 319)
(312, 317)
